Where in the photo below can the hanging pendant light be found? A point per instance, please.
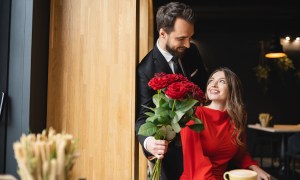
(275, 49)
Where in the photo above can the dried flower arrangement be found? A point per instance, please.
(44, 156)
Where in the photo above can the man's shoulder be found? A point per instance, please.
(192, 56)
(148, 59)
(193, 50)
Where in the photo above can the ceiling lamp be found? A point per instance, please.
(275, 49)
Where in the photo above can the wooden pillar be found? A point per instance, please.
(146, 36)
(93, 51)
(93, 54)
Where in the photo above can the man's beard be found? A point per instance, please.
(174, 52)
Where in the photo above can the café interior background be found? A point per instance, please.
(231, 33)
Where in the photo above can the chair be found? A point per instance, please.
(262, 142)
(293, 152)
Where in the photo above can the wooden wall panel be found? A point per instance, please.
(146, 27)
(145, 45)
(91, 83)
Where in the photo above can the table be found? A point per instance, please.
(7, 177)
(283, 129)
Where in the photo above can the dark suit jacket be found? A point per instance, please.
(154, 62)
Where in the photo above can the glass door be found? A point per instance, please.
(5, 6)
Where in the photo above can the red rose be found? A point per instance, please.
(198, 94)
(163, 80)
(161, 74)
(180, 90)
(189, 85)
(177, 91)
(157, 83)
(176, 78)
(194, 91)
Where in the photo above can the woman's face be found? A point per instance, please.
(217, 87)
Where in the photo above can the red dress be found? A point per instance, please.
(206, 154)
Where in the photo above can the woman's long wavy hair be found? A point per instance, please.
(234, 104)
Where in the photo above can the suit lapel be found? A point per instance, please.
(160, 63)
(184, 67)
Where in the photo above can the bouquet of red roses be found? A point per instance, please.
(174, 106)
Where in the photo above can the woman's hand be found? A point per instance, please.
(261, 174)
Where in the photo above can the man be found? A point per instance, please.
(172, 53)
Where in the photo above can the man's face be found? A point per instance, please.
(177, 41)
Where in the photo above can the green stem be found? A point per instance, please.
(156, 170)
(159, 91)
(173, 106)
(158, 94)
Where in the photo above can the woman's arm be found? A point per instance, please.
(261, 174)
(243, 160)
(196, 164)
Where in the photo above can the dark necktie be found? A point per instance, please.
(176, 65)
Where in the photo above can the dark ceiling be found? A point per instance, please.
(244, 16)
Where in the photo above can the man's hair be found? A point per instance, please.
(167, 14)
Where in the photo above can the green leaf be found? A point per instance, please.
(162, 101)
(164, 104)
(171, 102)
(152, 109)
(196, 120)
(151, 118)
(161, 133)
(175, 119)
(197, 127)
(179, 114)
(156, 122)
(165, 98)
(149, 114)
(184, 120)
(172, 114)
(176, 127)
(162, 112)
(190, 112)
(186, 105)
(170, 133)
(164, 120)
(155, 99)
(147, 129)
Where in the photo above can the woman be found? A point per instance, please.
(207, 154)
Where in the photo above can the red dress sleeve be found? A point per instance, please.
(196, 165)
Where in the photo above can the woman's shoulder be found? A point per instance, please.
(212, 114)
(202, 110)
(206, 109)
(210, 110)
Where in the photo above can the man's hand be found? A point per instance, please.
(157, 147)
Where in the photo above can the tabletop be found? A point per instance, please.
(280, 128)
(7, 177)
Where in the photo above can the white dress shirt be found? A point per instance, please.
(168, 56)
